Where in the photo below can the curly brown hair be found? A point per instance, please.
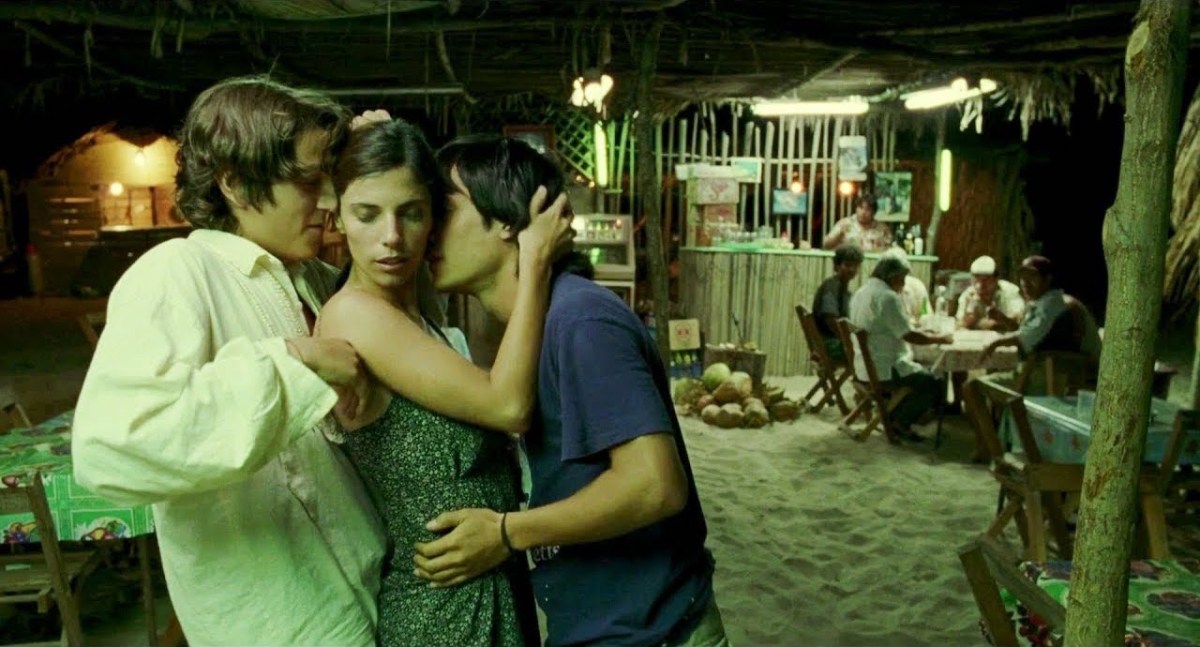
(244, 131)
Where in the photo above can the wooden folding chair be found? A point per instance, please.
(1033, 489)
(12, 408)
(50, 576)
(92, 324)
(875, 398)
(831, 374)
(986, 562)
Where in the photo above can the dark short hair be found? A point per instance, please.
(382, 146)
(890, 267)
(866, 199)
(847, 254)
(501, 174)
(1039, 264)
(245, 129)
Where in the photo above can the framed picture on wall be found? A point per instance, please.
(893, 195)
(786, 203)
(852, 158)
(540, 136)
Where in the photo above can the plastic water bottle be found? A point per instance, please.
(943, 305)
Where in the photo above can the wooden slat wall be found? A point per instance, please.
(762, 290)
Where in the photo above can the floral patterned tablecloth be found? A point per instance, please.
(1164, 603)
(78, 514)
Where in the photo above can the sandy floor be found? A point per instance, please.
(818, 539)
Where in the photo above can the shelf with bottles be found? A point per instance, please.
(601, 229)
(909, 239)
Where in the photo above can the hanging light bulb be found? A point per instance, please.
(796, 186)
(139, 157)
(846, 187)
(116, 188)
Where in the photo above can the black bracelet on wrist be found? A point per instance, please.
(504, 533)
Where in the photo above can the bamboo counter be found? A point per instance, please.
(762, 289)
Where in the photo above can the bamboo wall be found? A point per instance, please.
(762, 290)
(790, 147)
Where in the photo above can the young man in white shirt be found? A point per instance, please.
(878, 309)
(207, 397)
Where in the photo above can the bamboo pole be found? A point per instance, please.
(759, 206)
(811, 187)
(800, 174)
(789, 152)
(651, 186)
(769, 161)
(1135, 238)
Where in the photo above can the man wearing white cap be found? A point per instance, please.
(990, 303)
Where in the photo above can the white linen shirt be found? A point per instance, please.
(193, 404)
(879, 310)
(1007, 299)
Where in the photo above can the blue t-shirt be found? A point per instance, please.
(601, 384)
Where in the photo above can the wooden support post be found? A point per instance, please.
(651, 187)
(1135, 240)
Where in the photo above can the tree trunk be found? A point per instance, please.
(1135, 238)
(650, 186)
(1196, 366)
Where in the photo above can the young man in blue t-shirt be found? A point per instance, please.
(614, 526)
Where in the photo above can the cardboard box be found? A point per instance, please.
(713, 190)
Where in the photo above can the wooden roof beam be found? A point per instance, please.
(1078, 14)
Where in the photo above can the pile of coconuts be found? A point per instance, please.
(729, 400)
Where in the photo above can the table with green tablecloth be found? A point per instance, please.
(1164, 603)
(78, 514)
(1063, 430)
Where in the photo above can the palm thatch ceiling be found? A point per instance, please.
(710, 49)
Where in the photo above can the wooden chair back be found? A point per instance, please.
(812, 336)
(11, 406)
(989, 565)
(1065, 372)
(39, 577)
(873, 390)
(1187, 428)
(92, 324)
(984, 391)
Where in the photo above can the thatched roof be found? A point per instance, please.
(710, 49)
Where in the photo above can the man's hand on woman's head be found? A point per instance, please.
(369, 117)
(549, 235)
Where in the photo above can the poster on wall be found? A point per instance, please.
(787, 203)
(852, 158)
(747, 170)
(893, 195)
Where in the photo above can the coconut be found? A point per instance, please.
(784, 411)
(744, 384)
(730, 416)
(710, 413)
(727, 393)
(687, 391)
(749, 403)
(703, 402)
(756, 417)
(714, 375)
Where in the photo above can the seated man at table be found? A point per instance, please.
(832, 300)
(1053, 321)
(990, 303)
(878, 309)
(914, 293)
